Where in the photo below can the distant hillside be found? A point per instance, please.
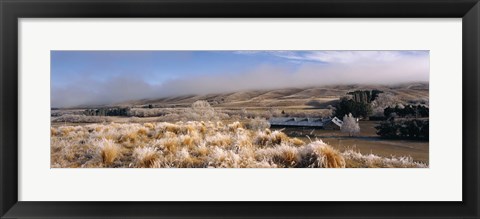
(293, 97)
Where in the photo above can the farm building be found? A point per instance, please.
(334, 124)
(324, 123)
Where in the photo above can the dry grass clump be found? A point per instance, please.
(269, 138)
(188, 141)
(235, 126)
(169, 145)
(53, 132)
(173, 128)
(149, 125)
(219, 139)
(142, 131)
(198, 145)
(314, 155)
(319, 154)
(262, 138)
(109, 150)
(278, 137)
(286, 156)
(296, 142)
(355, 159)
(145, 157)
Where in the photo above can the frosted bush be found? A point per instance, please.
(350, 125)
(258, 124)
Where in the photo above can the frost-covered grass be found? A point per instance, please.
(198, 145)
(72, 118)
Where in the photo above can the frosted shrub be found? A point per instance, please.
(201, 111)
(350, 125)
(258, 124)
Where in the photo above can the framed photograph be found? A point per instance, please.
(168, 109)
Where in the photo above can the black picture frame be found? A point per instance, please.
(12, 10)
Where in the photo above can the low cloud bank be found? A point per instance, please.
(88, 91)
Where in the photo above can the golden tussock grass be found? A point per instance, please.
(142, 131)
(146, 157)
(129, 137)
(172, 128)
(319, 154)
(53, 132)
(109, 151)
(170, 145)
(297, 142)
(278, 137)
(189, 128)
(235, 126)
(199, 145)
(287, 156)
(219, 140)
(149, 125)
(332, 158)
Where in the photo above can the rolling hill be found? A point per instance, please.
(286, 97)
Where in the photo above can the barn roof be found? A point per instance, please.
(303, 121)
(337, 121)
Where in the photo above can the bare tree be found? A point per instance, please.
(350, 125)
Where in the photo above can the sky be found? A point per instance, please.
(108, 77)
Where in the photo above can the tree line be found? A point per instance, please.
(404, 129)
(359, 104)
(407, 111)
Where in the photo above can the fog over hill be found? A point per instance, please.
(292, 76)
(308, 97)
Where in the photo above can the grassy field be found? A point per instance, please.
(199, 145)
